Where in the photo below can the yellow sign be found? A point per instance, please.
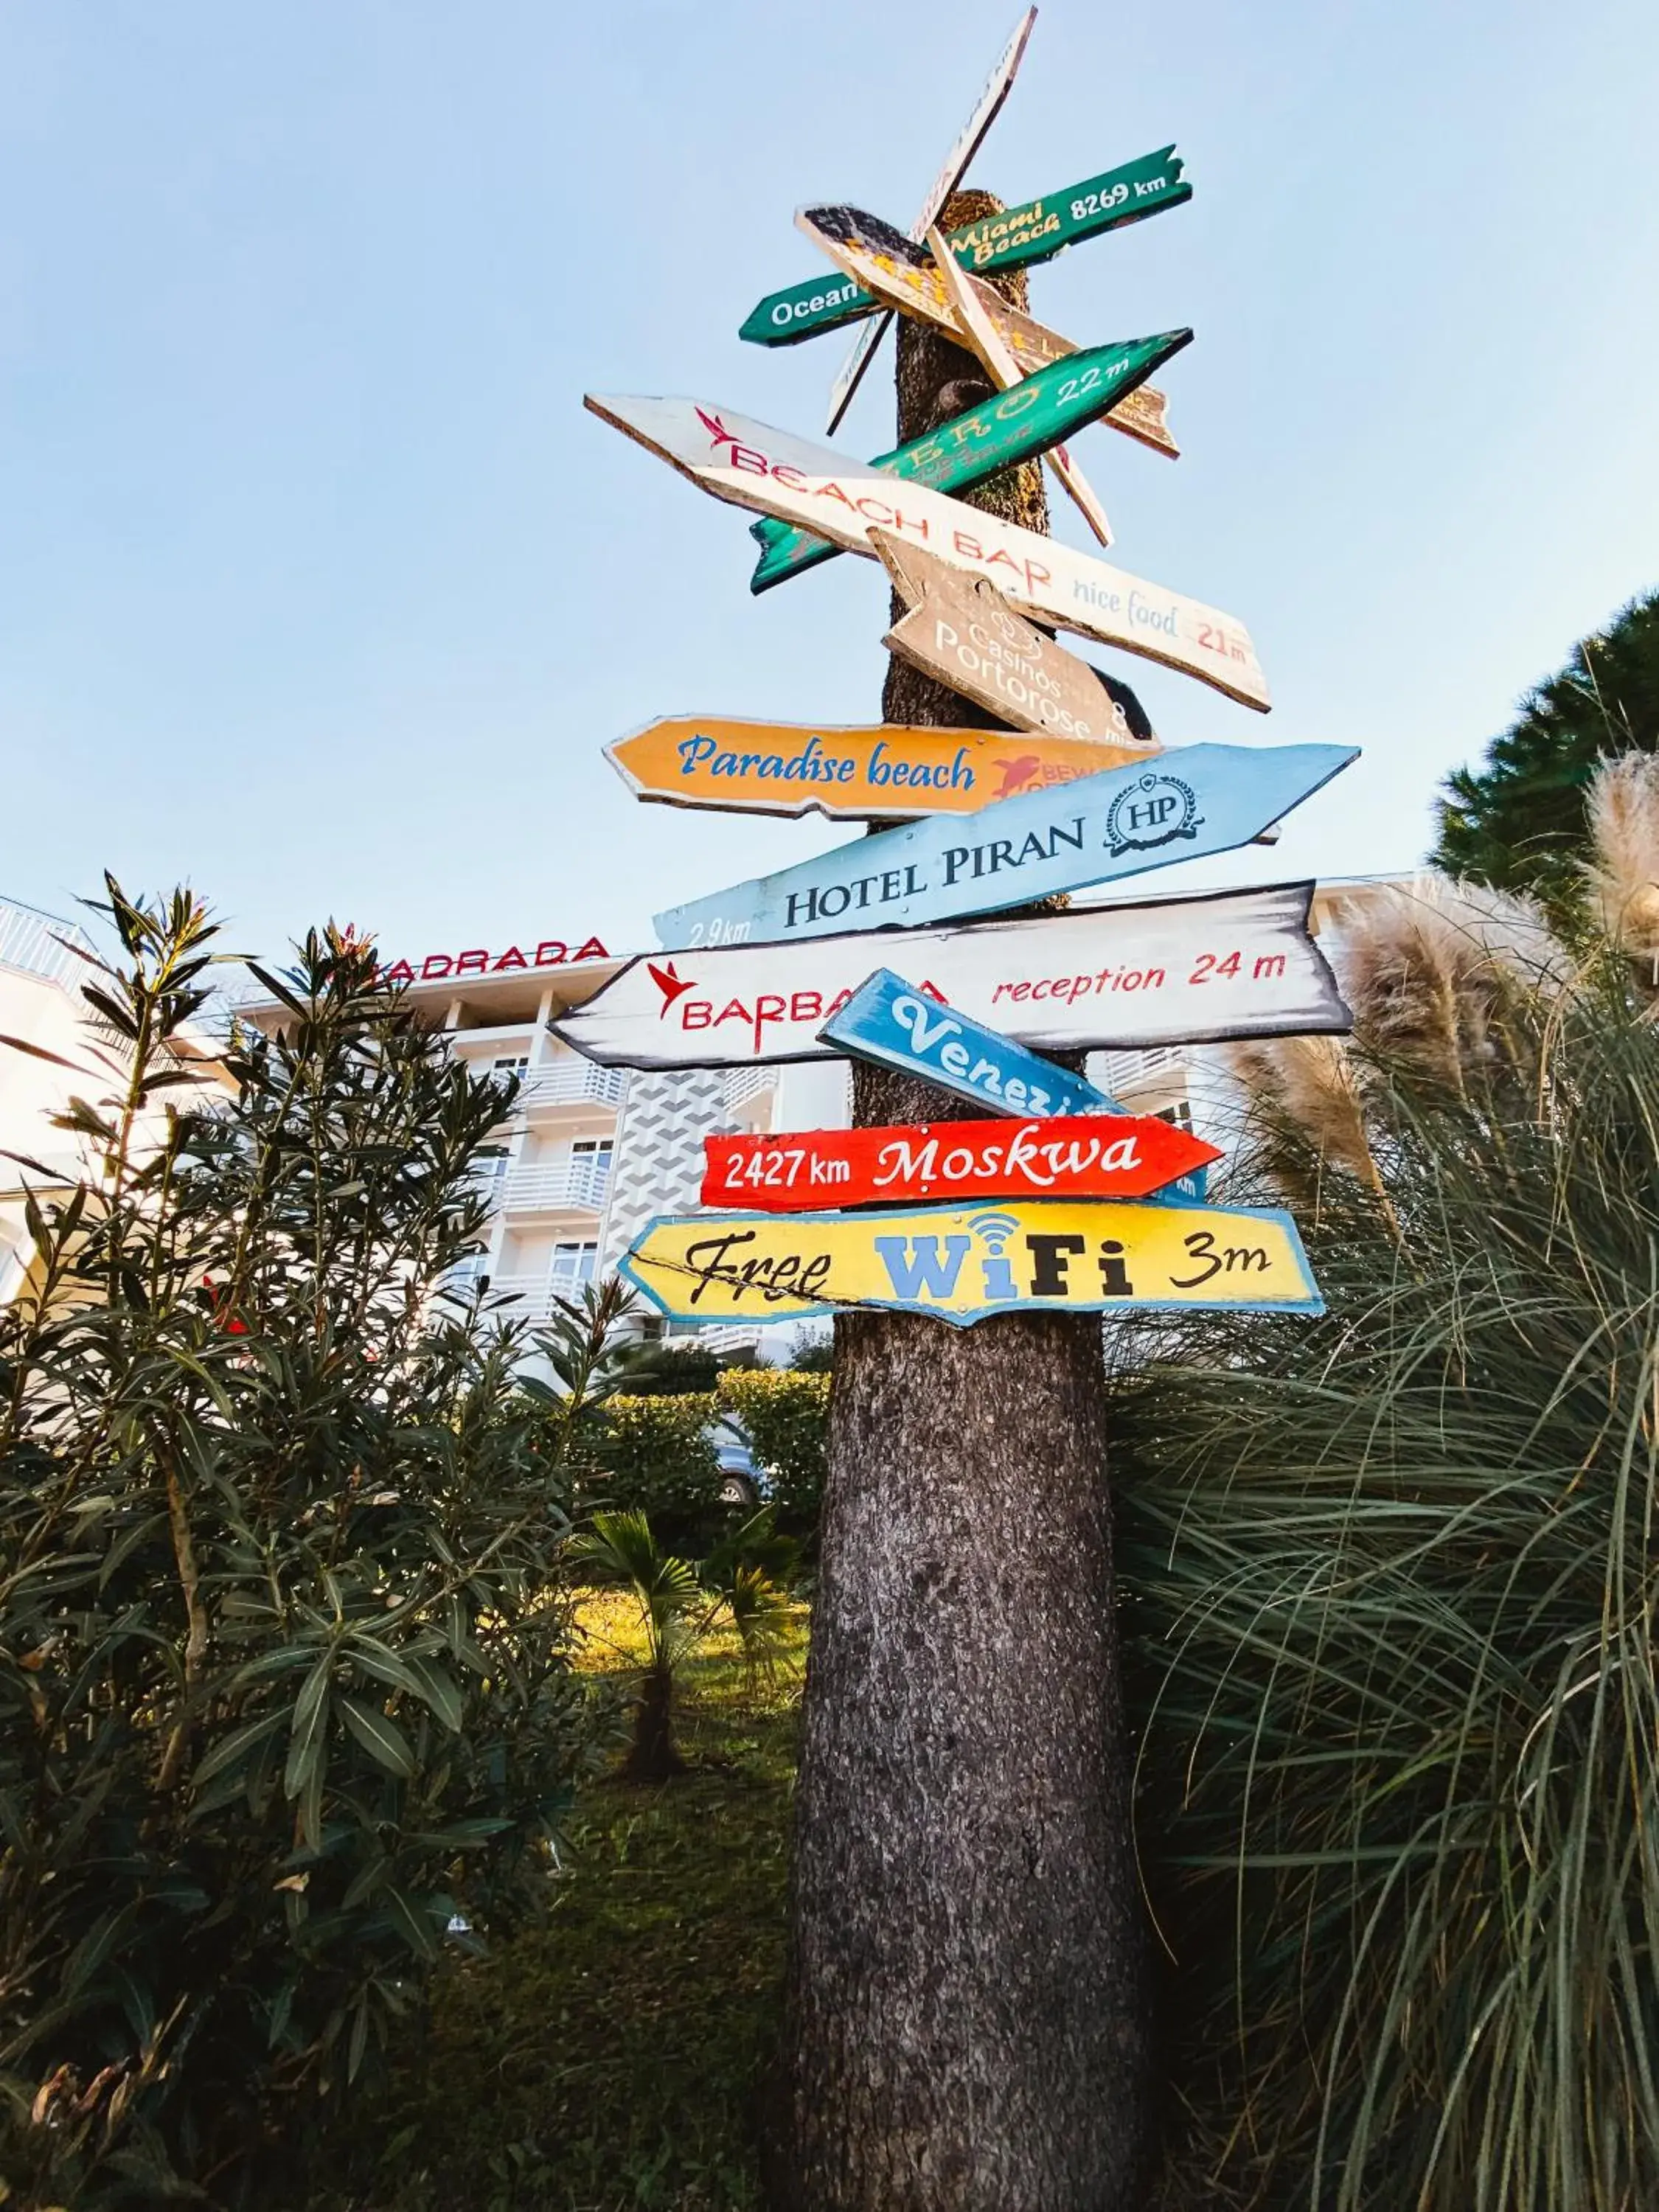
(965, 1263)
(787, 768)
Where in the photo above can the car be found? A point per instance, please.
(740, 1475)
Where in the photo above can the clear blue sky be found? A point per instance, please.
(318, 587)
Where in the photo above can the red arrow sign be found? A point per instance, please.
(1080, 1155)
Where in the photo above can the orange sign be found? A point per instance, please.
(791, 768)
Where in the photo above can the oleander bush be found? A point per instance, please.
(284, 1706)
(1391, 1582)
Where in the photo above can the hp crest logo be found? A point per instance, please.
(1155, 809)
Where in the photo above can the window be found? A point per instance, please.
(574, 1264)
(1180, 1113)
(510, 1066)
(590, 1168)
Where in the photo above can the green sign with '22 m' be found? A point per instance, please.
(1040, 411)
(1021, 234)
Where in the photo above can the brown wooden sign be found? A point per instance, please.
(998, 361)
(905, 276)
(961, 630)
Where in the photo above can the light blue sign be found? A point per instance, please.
(1180, 806)
(890, 1022)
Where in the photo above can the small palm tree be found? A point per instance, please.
(680, 1601)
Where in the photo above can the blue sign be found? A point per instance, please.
(1062, 837)
(890, 1022)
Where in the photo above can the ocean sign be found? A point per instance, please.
(905, 275)
(889, 1022)
(1159, 971)
(966, 1263)
(961, 631)
(1019, 236)
(860, 774)
(1011, 426)
(749, 465)
(1183, 805)
(941, 1162)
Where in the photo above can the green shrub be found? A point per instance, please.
(1391, 1581)
(281, 1697)
(652, 1456)
(787, 1415)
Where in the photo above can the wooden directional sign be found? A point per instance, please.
(961, 630)
(1183, 805)
(1003, 370)
(940, 1163)
(1019, 235)
(750, 465)
(860, 775)
(888, 1021)
(952, 170)
(966, 1263)
(1236, 964)
(905, 274)
(1034, 415)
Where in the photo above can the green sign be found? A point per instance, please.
(1021, 234)
(1040, 411)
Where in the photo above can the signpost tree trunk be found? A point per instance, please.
(965, 2025)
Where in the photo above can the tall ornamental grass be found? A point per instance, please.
(1391, 1580)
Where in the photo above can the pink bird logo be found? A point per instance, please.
(718, 433)
(671, 985)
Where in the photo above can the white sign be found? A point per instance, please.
(753, 465)
(952, 170)
(1233, 965)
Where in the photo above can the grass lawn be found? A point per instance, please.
(609, 2058)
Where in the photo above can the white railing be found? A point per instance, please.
(577, 1082)
(559, 1183)
(1134, 1070)
(746, 1083)
(532, 1295)
(30, 940)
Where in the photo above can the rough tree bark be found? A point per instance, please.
(965, 2024)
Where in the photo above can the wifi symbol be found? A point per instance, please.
(996, 1229)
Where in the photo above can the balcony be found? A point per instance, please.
(746, 1083)
(573, 1082)
(531, 1294)
(558, 1186)
(1160, 1067)
(38, 944)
